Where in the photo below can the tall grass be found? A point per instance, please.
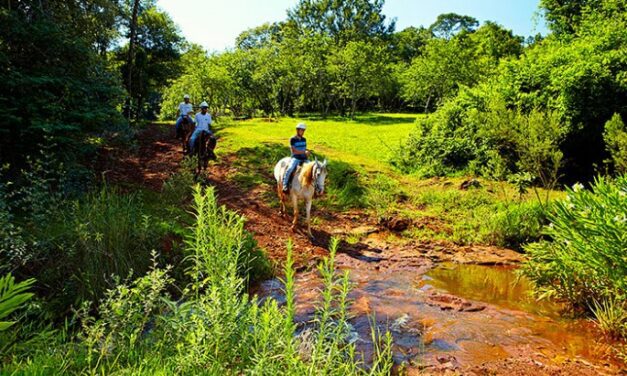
(214, 328)
(584, 260)
(111, 234)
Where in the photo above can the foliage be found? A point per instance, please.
(344, 21)
(12, 296)
(611, 316)
(214, 328)
(615, 136)
(583, 262)
(449, 24)
(576, 82)
(54, 83)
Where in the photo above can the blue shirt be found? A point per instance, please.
(300, 144)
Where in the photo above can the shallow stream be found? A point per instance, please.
(451, 315)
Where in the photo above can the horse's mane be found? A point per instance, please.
(306, 174)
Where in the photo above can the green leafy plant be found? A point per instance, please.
(611, 316)
(12, 296)
(583, 259)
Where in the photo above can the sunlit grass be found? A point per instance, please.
(367, 142)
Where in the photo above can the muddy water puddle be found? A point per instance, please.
(452, 316)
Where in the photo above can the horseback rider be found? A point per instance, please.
(203, 122)
(298, 145)
(183, 112)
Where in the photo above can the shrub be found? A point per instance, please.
(584, 260)
(615, 137)
(517, 224)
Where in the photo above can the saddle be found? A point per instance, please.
(289, 180)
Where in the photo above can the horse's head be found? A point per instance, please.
(319, 176)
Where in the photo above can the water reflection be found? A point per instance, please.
(497, 285)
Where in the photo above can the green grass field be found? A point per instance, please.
(367, 142)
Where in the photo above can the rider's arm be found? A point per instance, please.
(295, 151)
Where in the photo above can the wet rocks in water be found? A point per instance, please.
(449, 303)
(395, 224)
(470, 183)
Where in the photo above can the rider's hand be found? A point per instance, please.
(307, 153)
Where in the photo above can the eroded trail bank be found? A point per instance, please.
(445, 319)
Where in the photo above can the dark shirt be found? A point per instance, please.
(300, 144)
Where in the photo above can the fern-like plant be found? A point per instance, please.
(12, 296)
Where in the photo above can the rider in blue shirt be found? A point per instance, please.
(298, 146)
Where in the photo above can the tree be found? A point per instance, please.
(55, 85)
(156, 61)
(443, 67)
(342, 20)
(260, 36)
(564, 16)
(495, 42)
(407, 44)
(449, 24)
(358, 70)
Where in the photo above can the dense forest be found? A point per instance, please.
(81, 79)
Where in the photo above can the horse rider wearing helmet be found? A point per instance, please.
(184, 111)
(203, 123)
(298, 146)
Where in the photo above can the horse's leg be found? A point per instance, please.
(295, 204)
(308, 209)
(279, 192)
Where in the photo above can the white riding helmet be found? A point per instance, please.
(186, 96)
(204, 104)
(301, 126)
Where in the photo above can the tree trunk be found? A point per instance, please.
(131, 52)
(427, 104)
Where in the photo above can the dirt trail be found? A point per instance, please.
(461, 336)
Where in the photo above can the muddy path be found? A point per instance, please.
(443, 320)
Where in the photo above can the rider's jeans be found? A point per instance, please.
(293, 164)
(195, 135)
(180, 120)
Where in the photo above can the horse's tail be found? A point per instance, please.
(306, 175)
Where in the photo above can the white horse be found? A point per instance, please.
(308, 181)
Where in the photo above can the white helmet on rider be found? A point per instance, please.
(301, 126)
(186, 96)
(204, 105)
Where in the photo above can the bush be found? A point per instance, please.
(477, 133)
(615, 137)
(584, 260)
(517, 224)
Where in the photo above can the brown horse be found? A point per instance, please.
(187, 128)
(204, 147)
